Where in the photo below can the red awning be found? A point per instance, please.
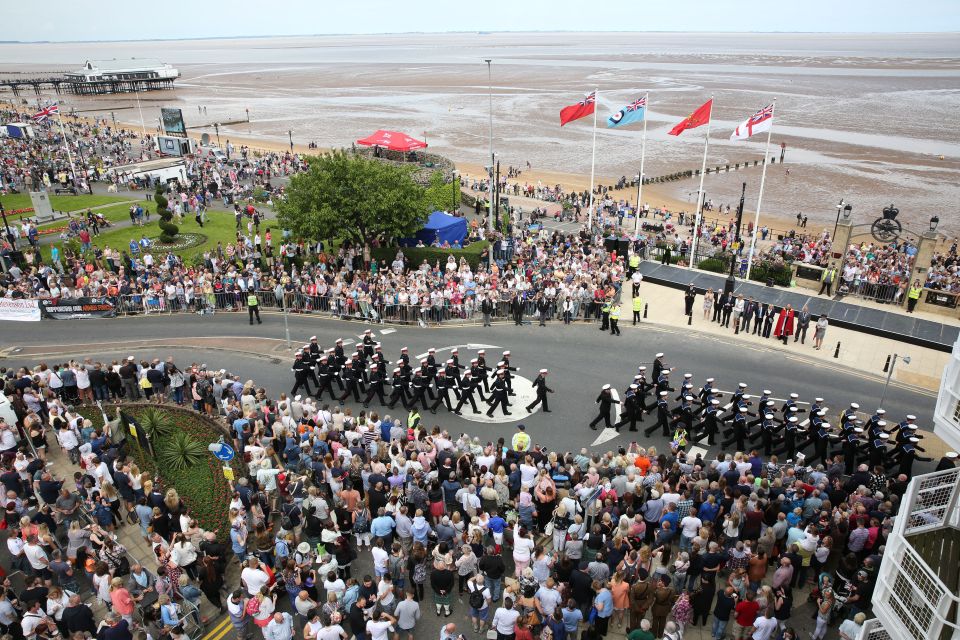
(392, 140)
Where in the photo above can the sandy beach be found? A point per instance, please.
(871, 119)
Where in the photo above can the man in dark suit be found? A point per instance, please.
(749, 308)
(803, 322)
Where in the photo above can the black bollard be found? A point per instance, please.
(836, 352)
(689, 320)
(645, 307)
(886, 365)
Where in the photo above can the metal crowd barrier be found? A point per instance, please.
(886, 293)
(424, 314)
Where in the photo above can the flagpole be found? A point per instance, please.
(763, 177)
(593, 160)
(66, 145)
(643, 152)
(703, 171)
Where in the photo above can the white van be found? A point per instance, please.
(215, 154)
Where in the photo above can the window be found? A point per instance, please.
(956, 412)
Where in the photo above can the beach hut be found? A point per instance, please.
(440, 225)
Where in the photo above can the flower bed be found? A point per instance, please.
(183, 241)
(203, 488)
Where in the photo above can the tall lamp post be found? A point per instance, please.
(216, 127)
(492, 162)
(845, 208)
(731, 282)
(893, 363)
(290, 135)
(455, 184)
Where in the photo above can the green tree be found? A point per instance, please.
(442, 195)
(168, 230)
(347, 197)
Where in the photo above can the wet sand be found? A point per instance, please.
(865, 118)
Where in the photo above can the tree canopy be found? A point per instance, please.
(348, 197)
(442, 195)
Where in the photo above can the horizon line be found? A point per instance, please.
(476, 32)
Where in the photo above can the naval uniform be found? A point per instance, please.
(606, 402)
(540, 385)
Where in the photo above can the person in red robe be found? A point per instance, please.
(784, 326)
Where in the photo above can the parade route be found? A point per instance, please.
(580, 359)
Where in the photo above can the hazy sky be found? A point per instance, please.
(124, 20)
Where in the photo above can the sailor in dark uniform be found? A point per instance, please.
(663, 415)
(906, 454)
(643, 390)
(631, 409)
(455, 357)
(509, 377)
(299, 369)
(663, 382)
(418, 385)
(431, 372)
(375, 386)
(452, 373)
(351, 379)
(948, 461)
(467, 385)
(878, 449)
(397, 394)
(482, 363)
(658, 366)
(540, 385)
(424, 372)
(790, 430)
(709, 427)
(368, 343)
(739, 430)
(606, 402)
(498, 394)
(478, 377)
(821, 438)
(325, 376)
(444, 385)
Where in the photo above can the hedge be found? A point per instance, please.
(714, 265)
(781, 275)
(416, 255)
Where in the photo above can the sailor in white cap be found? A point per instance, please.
(466, 386)
(906, 429)
(498, 393)
(906, 454)
(431, 372)
(455, 357)
(484, 370)
(948, 461)
(878, 449)
(324, 375)
(398, 392)
(658, 367)
(368, 342)
(663, 415)
(540, 386)
(509, 377)
(374, 386)
(606, 402)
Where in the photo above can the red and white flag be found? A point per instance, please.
(758, 123)
(43, 114)
(579, 110)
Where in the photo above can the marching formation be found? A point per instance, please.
(431, 383)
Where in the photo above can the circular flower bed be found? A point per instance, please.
(184, 241)
(203, 487)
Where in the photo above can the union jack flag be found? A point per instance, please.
(636, 104)
(590, 98)
(43, 114)
(760, 121)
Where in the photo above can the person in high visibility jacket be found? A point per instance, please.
(637, 308)
(605, 315)
(615, 319)
(253, 306)
(634, 263)
(913, 295)
(827, 278)
(680, 438)
(520, 440)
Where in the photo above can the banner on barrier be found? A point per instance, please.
(78, 308)
(19, 310)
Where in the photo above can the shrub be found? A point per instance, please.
(180, 451)
(155, 423)
(415, 255)
(715, 265)
(168, 230)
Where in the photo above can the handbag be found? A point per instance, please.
(548, 530)
(592, 616)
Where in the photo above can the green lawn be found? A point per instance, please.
(64, 203)
(220, 226)
(114, 213)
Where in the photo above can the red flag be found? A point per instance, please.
(580, 110)
(696, 119)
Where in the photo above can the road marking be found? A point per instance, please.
(386, 332)
(698, 451)
(472, 347)
(218, 631)
(610, 433)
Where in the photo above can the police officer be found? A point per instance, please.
(663, 415)
(637, 308)
(253, 306)
(615, 319)
(606, 402)
(540, 386)
(299, 369)
(605, 315)
(375, 387)
(467, 385)
(498, 394)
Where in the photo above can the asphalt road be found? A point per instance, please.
(580, 358)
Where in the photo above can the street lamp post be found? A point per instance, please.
(455, 183)
(731, 282)
(248, 114)
(492, 162)
(845, 208)
(290, 135)
(216, 127)
(893, 363)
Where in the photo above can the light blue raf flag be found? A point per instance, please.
(633, 112)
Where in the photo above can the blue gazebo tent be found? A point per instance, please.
(448, 228)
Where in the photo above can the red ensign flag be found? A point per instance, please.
(698, 118)
(580, 110)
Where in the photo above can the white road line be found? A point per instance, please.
(610, 433)
(386, 332)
